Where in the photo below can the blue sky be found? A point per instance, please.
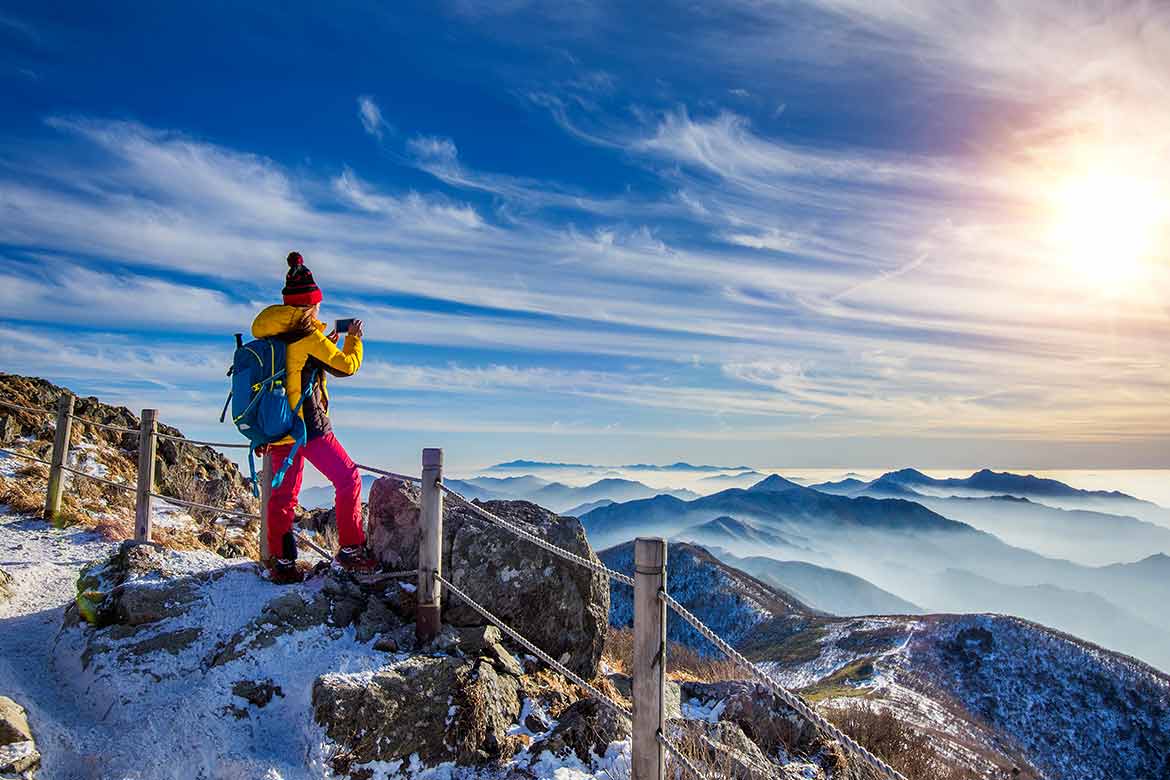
(822, 233)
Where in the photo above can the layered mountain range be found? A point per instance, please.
(999, 696)
(922, 556)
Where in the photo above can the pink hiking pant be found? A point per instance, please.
(329, 457)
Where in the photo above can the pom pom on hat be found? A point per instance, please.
(299, 287)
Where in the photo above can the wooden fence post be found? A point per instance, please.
(430, 547)
(147, 443)
(59, 457)
(649, 685)
(265, 492)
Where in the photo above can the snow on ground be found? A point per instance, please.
(164, 716)
(44, 563)
(84, 457)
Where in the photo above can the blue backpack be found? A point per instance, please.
(259, 404)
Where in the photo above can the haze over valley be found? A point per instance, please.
(1085, 556)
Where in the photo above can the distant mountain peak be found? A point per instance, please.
(773, 484)
(906, 475)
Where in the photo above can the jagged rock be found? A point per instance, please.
(19, 757)
(19, 761)
(734, 755)
(378, 618)
(397, 712)
(7, 585)
(374, 610)
(487, 642)
(583, 728)
(387, 644)
(763, 718)
(13, 722)
(560, 606)
(258, 694)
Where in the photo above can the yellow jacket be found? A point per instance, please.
(308, 348)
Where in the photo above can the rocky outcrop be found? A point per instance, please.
(376, 611)
(19, 757)
(560, 606)
(444, 708)
(181, 469)
(138, 584)
(585, 730)
(766, 720)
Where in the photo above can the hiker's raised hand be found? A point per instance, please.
(355, 328)
(332, 335)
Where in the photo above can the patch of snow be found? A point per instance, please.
(693, 709)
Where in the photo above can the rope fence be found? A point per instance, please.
(102, 480)
(24, 456)
(651, 601)
(30, 409)
(528, 645)
(198, 443)
(677, 754)
(105, 426)
(793, 700)
(596, 566)
(384, 473)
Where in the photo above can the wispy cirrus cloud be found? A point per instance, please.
(371, 117)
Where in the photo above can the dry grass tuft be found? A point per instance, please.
(904, 748)
(682, 663)
(86, 503)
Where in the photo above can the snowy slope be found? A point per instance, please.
(993, 692)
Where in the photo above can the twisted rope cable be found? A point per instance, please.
(31, 409)
(185, 440)
(103, 480)
(548, 659)
(531, 537)
(678, 756)
(107, 426)
(26, 457)
(796, 702)
(403, 477)
(208, 507)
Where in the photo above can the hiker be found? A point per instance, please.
(310, 354)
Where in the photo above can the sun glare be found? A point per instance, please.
(1110, 228)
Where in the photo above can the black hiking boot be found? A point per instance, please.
(285, 572)
(357, 560)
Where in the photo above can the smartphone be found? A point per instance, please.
(343, 325)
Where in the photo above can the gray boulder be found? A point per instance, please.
(561, 606)
(442, 708)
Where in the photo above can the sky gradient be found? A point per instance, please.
(822, 233)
